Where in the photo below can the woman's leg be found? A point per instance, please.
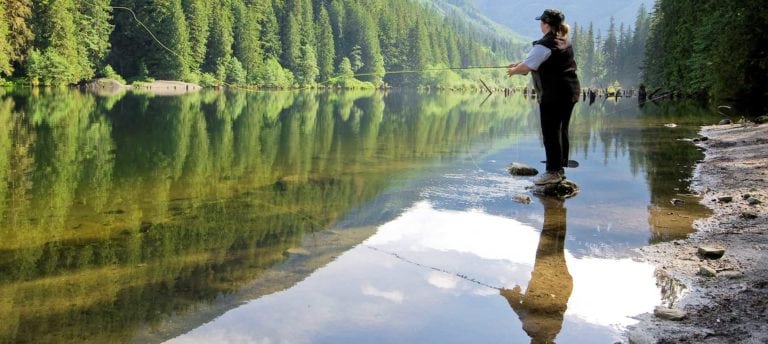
(551, 130)
(565, 119)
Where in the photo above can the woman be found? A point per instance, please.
(557, 86)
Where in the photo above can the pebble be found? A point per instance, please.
(669, 313)
(753, 201)
(677, 202)
(746, 196)
(725, 199)
(731, 274)
(725, 122)
(749, 215)
(706, 271)
(711, 252)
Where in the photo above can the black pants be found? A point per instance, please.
(555, 117)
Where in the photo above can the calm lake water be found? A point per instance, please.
(302, 217)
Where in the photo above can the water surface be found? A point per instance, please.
(329, 217)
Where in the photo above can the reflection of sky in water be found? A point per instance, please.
(369, 295)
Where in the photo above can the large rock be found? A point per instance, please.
(669, 313)
(564, 189)
(761, 119)
(518, 169)
(711, 252)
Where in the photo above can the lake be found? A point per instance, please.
(327, 217)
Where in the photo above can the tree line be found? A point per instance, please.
(256, 42)
(710, 49)
(615, 59)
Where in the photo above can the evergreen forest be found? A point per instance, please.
(277, 43)
(710, 50)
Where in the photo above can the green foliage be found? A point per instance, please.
(188, 38)
(5, 46)
(109, 73)
(50, 68)
(274, 75)
(236, 74)
(710, 49)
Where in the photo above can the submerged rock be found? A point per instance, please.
(677, 202)
(521, 198)
(710, 252)
(725, 199)
(725, 122)
(669, 313)
(518, 169)
(563, 189)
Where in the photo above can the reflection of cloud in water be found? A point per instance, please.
(361, 296)
(475, 187)
(606, 291)
(442, 280)
(394, 295)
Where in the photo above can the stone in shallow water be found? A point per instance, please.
(711, 252)
(564, 189)
(725, 122)
(523, 199)
(669, 313)
(518, 169)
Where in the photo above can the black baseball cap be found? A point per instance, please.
(552, 16)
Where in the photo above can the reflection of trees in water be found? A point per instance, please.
(119, 211)
(542, 307)
(623, 129)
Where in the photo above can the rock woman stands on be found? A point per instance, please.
(557, 86)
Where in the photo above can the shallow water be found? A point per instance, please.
(329, 217)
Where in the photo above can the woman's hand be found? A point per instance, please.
(518, 68)
(511, 67)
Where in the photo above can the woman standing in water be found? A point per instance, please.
(557, 88)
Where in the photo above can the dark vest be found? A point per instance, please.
(556, 78)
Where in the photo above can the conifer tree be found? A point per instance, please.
(325, 45)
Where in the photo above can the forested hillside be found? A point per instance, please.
(257, 42)
(715, 49)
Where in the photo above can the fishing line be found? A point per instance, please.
(459, 275)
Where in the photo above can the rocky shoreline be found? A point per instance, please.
(718, 300)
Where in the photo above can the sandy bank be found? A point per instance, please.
(732, 306)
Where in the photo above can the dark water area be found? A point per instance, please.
(326, 217)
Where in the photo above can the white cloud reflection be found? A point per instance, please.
(369, 294)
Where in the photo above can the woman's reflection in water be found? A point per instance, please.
(543, 305)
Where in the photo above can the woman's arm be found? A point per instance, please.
(518, 68)
(535, 58)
